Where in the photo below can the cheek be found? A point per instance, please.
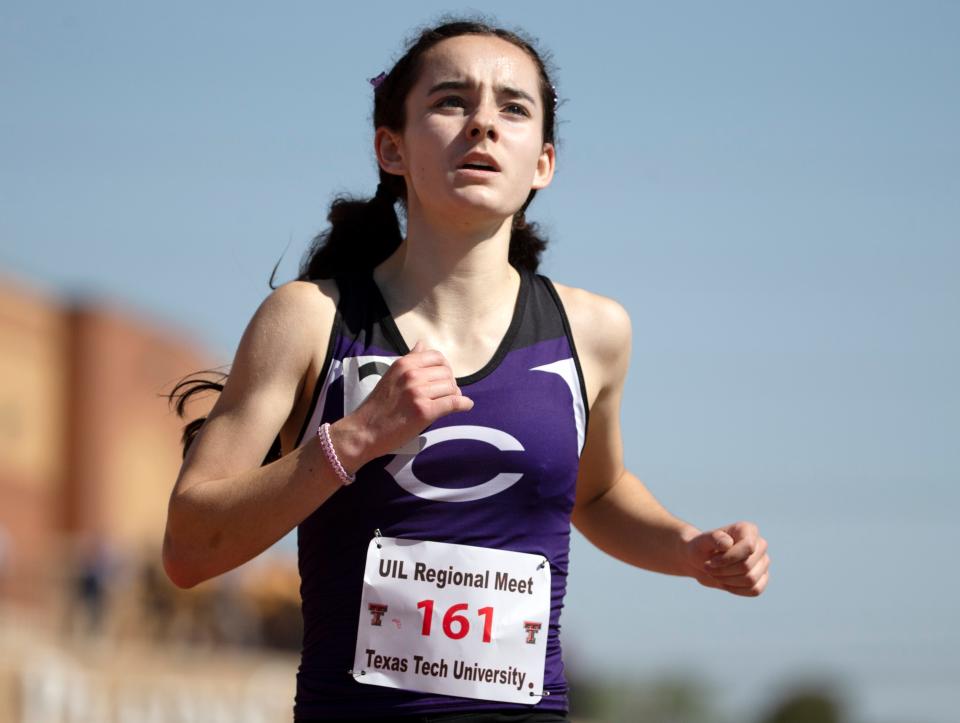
(527, 163)
(526, 145)
(427, 154)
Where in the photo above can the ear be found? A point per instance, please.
(546, 164)
(389, 149)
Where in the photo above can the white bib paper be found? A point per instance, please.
(453, 619)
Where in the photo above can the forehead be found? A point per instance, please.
(478, 58)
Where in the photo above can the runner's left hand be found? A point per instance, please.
(732, 558)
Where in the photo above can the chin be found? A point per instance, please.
(482, 201)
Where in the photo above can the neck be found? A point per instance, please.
(451, 276)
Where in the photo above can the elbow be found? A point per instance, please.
(173, 565)
(597, 494)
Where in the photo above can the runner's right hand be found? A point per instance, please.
(417, 389)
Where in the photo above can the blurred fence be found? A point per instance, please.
(112, 640)
(47, 678)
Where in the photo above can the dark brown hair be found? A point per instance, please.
(363, 232)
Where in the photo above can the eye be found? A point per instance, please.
(513, 108)
(443, 101)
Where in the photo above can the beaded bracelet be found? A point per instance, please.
(323, 431)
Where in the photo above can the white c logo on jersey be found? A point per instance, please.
(401, 466)
(362, 373)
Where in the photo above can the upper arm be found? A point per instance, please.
(603, 333)
(271, 361)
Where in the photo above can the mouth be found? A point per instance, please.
(477, 169)
(478, 162)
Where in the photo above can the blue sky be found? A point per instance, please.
(770, 189)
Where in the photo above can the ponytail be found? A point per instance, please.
(362, 234)
(526, 245)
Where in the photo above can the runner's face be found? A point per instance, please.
(475, 94)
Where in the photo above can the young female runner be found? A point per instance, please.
(433, 486)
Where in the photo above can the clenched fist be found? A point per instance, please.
(732, 558)
(416, 390)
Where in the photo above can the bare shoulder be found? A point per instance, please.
(603, 319)
(601, 329)
(273, 362)
(290, 329)
(302, 297)
(290, 322)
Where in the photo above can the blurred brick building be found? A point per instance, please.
(89, 448)
(90, 628)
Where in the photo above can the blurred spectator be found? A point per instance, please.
(274, 589)
(157, 600)
(89, 578)
(235, 616)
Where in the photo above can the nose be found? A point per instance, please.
(483, 122)
(476, 130)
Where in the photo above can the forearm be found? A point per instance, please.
(628, 523)
(217, 525)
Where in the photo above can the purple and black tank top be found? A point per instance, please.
(501, 475)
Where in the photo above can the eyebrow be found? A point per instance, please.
(500, 89)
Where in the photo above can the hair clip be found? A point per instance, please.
(375, 82)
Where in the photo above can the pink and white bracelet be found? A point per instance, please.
(323, 431)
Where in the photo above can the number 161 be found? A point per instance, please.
(455, 624)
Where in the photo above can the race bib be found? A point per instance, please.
(453, 619)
